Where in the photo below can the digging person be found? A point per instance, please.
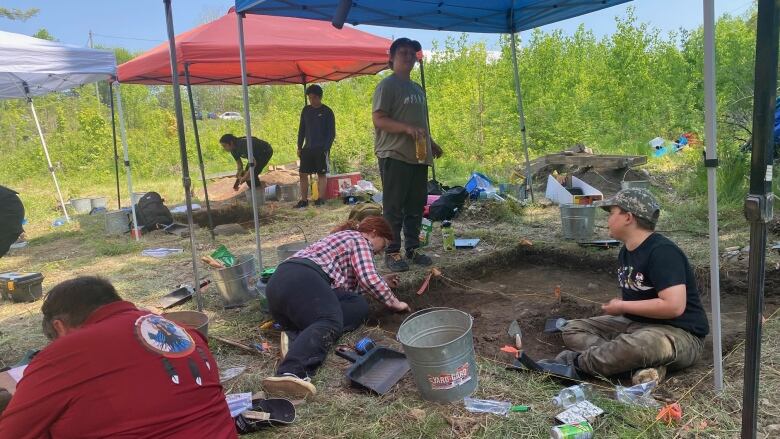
(315, 293)
(261, 153)
(113, 370)
(399, 116)
(659, 323)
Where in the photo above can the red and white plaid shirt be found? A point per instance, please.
(347, 258)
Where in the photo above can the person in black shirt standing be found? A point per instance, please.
(11, 218)
(316, 133)
(261, 152)
(659, 323)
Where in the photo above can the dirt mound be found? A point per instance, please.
(280, 176)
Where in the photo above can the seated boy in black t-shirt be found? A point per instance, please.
(659, 323)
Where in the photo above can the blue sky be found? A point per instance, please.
(141, 23)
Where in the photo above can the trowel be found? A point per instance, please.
(515, 334)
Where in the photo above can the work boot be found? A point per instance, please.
(290, 385)
(567, 357)
(301, 204)
(656, 374)
(394, 262)
(319, 202)
(419, 258)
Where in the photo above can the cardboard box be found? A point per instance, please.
(558, 194)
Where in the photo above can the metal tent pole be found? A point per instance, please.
(427, 116)
(123, 133)
(197, 146)
(711, 163)
(248, 125)
(116, 152)
(185, 169)
(46, 152)
(528, 183)
(758, 204)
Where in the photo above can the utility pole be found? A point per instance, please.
(92, 46)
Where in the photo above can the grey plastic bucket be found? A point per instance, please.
(440, 348)
(638, 184)
(98, 202)
(81, 205)
(237, 284)
(272, 192)
(577, 221)
(117, 222)
(259, 196)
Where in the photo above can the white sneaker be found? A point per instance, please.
(289, 384)
(656, 374)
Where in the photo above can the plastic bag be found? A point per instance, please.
(640, 395)
(223, 255)
(487, 406)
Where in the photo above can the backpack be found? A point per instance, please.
(448, 205)
(152, 213)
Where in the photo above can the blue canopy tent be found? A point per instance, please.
(510, 17)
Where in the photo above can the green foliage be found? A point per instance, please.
(44, 35)
(612, 94)
(18, 14)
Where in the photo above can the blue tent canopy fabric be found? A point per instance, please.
(481, 16)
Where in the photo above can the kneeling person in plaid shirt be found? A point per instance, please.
(315, 292)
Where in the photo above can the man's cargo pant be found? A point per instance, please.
(610, 345)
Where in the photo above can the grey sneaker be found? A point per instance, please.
(395, 263)
(419, 258)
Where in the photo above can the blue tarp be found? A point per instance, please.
(485, 16)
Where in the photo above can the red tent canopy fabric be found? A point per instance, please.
(279, 50)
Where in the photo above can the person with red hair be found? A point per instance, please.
(316, 293)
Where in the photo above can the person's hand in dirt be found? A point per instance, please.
(392, 280)
(614, 307)
(400, 306)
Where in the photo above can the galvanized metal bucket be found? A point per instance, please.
(289, 192)
(259, 196)
(98, 202)
(237, 284)
(440, 348)
(117, 222)
(272, 192)
(81, 205)
(577, 221)
(190, 319)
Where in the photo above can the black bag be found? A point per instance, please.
(152, 213)
(435, 188)
(449, 204)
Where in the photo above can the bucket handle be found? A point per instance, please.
(424, 311)
(305, 239)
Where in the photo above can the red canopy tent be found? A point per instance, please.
(278, 50)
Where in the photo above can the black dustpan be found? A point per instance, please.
(566, 372)
(377, 370)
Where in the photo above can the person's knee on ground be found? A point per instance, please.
(354, 310)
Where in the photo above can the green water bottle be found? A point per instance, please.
(447, 235)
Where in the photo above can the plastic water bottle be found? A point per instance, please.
(487, 406)
(574, 394)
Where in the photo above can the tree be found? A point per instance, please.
(44, 35)
(18, 14)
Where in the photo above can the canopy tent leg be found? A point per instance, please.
(197, 145)
(248, 125)
(427, 115)
(758, 204)
(711, 163)
(123, 134)
(182, 149)
(528, 182)
(48, 159)
(116, 151)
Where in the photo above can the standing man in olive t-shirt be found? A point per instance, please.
(399, 116)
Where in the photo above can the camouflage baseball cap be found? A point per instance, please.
(639, 202)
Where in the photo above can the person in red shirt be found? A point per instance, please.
(115, 371)
(315, 292)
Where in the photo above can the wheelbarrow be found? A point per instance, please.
(378, 370)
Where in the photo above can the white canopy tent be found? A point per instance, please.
(33, 67)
